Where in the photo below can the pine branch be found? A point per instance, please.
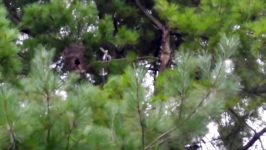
(68, 137)
(190, 115)
(181, 105)
(13, 138)
(48, 125)
(140, 113)
(70, 131)
(208, 93)
(141, 122)
(199, 105)
(156, 140)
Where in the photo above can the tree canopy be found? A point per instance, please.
(131, 74)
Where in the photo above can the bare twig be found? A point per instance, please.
(253, 139)
(261, 143)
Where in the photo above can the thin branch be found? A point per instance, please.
(253, 139)
(148, 15)
(159, 138)
(240, 118)
(47, 100)
(141, 117)
(10, 128)
(71, 128)
(151, 58)
(142, 126)
(68, 137)
(199, 105)
(261, 143)
(251, 128)
(210, 141)
(181, 105)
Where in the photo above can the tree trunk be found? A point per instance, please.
(165, 56)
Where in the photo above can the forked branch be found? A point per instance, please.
(166, 52)
(148, 15)
(253, 139)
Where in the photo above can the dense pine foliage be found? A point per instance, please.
(131, 74)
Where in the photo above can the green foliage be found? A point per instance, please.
(211, 18)
(194, 101)
(48, 16)
(125, 36)
(106, 29)
(218, 67)
(9, 62)
(53, 16)
(48, 113)
(258, 27)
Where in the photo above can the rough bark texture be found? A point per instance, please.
(165, 56)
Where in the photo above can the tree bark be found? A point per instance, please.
(166, 53)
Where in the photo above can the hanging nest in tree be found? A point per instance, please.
(74, 58)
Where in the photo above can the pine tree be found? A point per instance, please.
(74, 74)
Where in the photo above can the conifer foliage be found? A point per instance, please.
(131, 74)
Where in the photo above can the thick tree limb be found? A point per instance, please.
(166, 52)
(253, 139)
